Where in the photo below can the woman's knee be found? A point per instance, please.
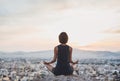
(50, 67)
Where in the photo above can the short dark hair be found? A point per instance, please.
(63, 38)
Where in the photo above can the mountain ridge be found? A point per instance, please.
(77, 53)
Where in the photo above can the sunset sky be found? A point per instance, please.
(33, 25)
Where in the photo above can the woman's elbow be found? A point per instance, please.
(54, 60)
(71, 61)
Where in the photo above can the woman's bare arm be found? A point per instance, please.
(55, 56)
(71, 61)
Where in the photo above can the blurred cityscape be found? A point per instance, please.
(33, 69)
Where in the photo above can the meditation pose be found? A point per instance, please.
(63, 55)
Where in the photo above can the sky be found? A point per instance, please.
(33, 25)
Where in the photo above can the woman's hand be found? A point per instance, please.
(76, 62)
(46, 62)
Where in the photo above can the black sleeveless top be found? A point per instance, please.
(63, 67)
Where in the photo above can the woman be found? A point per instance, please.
(63, 55)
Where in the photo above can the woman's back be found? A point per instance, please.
(63, 54)
(63, 67)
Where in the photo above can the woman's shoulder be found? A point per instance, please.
(70, 48)
(56, 47)
(63, 45)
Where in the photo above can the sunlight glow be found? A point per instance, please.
(37, 24)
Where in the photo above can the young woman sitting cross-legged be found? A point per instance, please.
(63, 55)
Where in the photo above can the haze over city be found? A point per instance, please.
(32, 25)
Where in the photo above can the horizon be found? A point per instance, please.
(74, 49)
(35, 25)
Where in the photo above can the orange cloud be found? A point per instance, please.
(111, 44)
(7, 33)
(113, 30)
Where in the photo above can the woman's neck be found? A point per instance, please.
(63, 44)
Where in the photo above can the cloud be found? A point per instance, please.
(108, 44)
(113, 30)
(14, 7)
(14, 32)
(23, 19)
(117, 31)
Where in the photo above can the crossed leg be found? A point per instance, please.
(50, 67)
(75, 68)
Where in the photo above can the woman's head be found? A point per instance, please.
(63, 38)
